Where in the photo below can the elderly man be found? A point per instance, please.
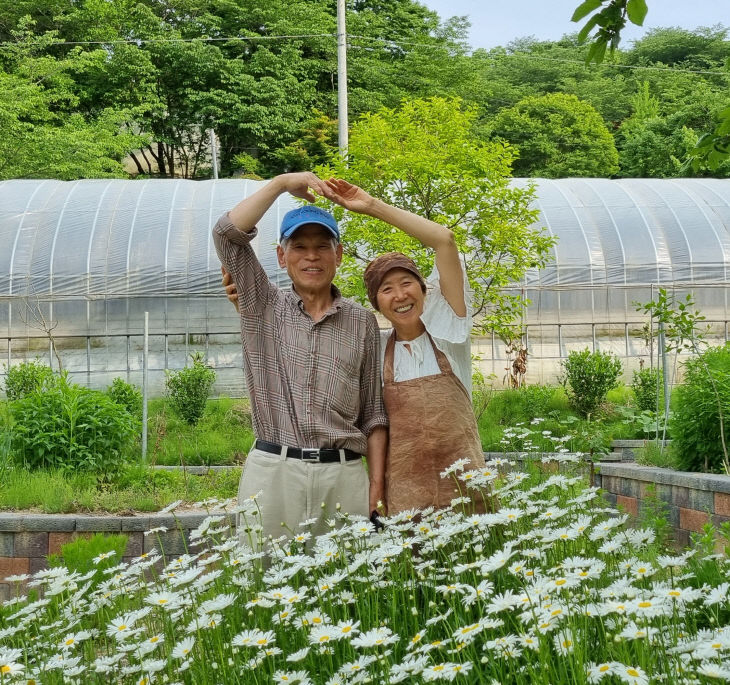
(311, 360)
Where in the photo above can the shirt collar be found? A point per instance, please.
(336, 299)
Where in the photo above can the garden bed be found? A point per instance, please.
(501, 597)
(689, 501)
(134, 489)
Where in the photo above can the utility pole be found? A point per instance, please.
(213, 151)
(342, 77)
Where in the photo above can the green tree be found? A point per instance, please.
(713, 148)
(259, 90)
(425, 157)
(557, 135)
(42, 134)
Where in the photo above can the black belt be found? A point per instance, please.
(313, 454)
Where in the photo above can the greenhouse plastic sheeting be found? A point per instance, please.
(117, 237)
(90, 257)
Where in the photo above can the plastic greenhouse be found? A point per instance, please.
(88, 258)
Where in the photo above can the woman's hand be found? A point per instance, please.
(376, 500)
(348, 195)
(230, 286)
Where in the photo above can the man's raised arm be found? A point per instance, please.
(248, 212)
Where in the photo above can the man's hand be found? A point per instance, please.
(302, 183)
(230, 286)
(348, 195)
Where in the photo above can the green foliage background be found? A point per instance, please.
(85, 83)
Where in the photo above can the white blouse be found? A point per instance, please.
(450, 333)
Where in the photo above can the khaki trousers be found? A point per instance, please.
(293, 491)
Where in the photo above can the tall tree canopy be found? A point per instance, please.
(557, 135)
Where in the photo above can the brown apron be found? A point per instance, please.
(431, 426)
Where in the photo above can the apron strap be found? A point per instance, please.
(388, 359)
(440, 357)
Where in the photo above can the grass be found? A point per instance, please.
(550, 403)
(653, 455)
(223, 435)
(136, 488)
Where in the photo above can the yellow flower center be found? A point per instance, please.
(644, 605)
(632, 672)
(560, 581)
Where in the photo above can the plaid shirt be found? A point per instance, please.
(312, 384)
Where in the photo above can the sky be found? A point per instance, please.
(497, 22)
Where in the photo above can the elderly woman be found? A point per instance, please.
(426, 357)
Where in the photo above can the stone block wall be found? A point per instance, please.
(26, 540)
(690, 499)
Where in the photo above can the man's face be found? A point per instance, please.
(310, 258)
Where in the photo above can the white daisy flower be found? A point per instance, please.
(183, 648)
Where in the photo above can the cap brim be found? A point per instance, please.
(309, 222)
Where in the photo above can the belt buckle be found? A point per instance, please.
(310, 454)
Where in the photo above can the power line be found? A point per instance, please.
(614, 65)
(383, 41)
(209, 39)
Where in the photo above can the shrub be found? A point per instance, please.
(587, 378)
(695, 419)
(68, 426)
(188, 389)
(27, 377)
(644, 384)
(127, 395)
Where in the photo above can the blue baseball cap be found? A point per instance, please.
(307, 214)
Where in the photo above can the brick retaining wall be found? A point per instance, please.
(27, 539)
(691, 499)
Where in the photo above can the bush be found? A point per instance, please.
(127, 395)
(27, 377)
(695, 419)
(188, 389)
(587, 378)
(644, 384)
(68, 426)
(79, 555)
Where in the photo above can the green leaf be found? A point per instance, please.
(597, 51)
(583, 33)
(636, 11)
(585, 8)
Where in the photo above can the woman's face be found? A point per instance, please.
(400, 298)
